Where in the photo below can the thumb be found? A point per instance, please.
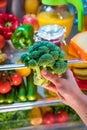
(53, 78)
(57, 81)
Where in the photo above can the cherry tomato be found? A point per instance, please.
(5, 87)
(48, 118)
(16, 79)
(62, 117)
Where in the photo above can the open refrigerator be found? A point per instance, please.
(16, 116)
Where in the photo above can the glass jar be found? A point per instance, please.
(59, 12)
(52, 33)
(56, 15)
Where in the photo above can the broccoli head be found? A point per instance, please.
(44, 54)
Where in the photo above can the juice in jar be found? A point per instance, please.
(62, 18)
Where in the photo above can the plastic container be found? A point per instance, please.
(3, 4)
(52, 33)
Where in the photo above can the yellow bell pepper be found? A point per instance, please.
(23, 71)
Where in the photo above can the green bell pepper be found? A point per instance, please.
(22, 38)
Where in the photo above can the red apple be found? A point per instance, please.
(31, 19)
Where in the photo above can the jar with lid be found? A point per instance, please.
(52, 33)
(59, 12)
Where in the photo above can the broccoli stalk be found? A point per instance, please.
(38, 79)
(44, 54)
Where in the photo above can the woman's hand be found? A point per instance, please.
(69, 92)
(65, 86)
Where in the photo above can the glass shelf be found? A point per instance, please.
(29, 105)
(57, 126)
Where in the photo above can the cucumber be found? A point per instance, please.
(2, 98)
(21, 92)
(10, 97)
(31, 88)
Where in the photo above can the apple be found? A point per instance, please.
(31, 19)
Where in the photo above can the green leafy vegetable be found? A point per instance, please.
(47, 55)
(14, 119)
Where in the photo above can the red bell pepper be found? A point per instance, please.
(8, 24)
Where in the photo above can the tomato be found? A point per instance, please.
(16, 79)
(5, 87)
(62, 117)
(48, 118)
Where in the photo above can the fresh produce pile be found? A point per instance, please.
(20, 33)
(52, 114)
(49, 115)
(47, 55)
(20, 85)
(14, 119)
(13, 87)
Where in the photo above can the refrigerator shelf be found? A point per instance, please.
(29, 105)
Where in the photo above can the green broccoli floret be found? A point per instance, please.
(60, 67)
(38, 79)
(46, 60)
(61, 56)
(44, 54)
